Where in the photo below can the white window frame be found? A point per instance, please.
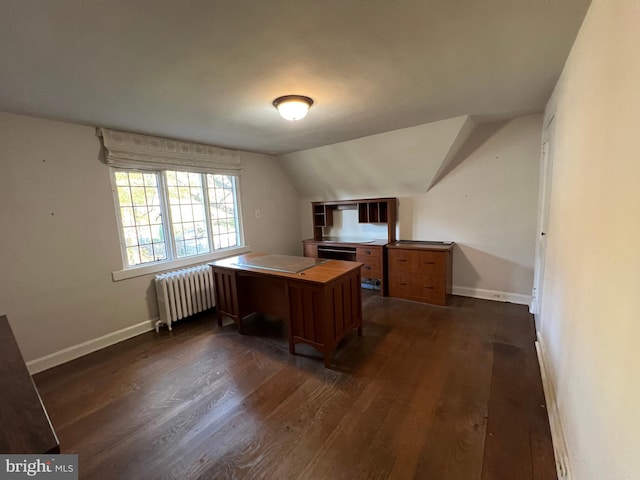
(140, 152)
(172, 263)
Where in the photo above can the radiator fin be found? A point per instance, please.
(184, 292)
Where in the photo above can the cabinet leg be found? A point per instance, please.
(360, 331)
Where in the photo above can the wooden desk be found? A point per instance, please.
(320, 304)
(26, 428)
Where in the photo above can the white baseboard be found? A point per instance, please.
(495, 295)
(70, 353)
(559, 445)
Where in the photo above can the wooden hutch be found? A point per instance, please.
(370, 252)
(413, 270)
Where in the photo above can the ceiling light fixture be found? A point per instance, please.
(293, 107)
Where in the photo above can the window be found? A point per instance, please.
(187, 207)
(168, 215)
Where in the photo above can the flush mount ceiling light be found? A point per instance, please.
(293, 107)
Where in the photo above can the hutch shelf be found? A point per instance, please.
(369, 252)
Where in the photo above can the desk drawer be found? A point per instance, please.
(368, 252)
(372, 267)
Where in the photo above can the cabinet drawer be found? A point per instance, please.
(368, 252)
(372, 267)
(415, 261)
(399, 260)
(400, 285)
(418, 287)
(433, 289)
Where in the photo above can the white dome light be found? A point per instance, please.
(293, 107)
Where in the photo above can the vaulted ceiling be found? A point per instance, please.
(208, 71)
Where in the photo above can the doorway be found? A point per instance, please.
(546, 170)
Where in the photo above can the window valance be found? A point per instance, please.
(144, 152)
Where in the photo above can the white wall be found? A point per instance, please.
(485, 199)
(382, 165)
(60, 241)
(270, 206)
(487, 205)
(590, 319)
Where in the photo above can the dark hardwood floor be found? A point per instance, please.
(428, 393)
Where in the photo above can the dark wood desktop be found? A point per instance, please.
(26, 428)
(320, 304)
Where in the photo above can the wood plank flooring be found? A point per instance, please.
(427, 393)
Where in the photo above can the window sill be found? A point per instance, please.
(173, 264)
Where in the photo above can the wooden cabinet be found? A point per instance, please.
(310, 249)
(370, 210)
(370, 254)
(420, 271)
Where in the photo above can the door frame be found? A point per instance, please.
(542, 230)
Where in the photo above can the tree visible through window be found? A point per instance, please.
(141, 217)
(188, 218)
(222, 208)
(170, 214)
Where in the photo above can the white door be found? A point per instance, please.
(546, 168)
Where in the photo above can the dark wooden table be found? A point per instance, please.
(320, 304)
(26, 428)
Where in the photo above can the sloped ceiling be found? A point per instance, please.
(208, 70)
(409, 161)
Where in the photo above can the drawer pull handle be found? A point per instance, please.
(367, 252)
(430, 263)
(367, 267)
(430, 288)
(401, 260)
(404, 284)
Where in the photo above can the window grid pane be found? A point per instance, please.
(186, 200)
(140, 213)
(202, 208)
(222, 210)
